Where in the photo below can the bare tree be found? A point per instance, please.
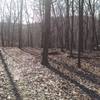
(87, 30)
(81, 2)
(41, 9)
(2, 24)
(94, 39)
(67, 24)
(30, 42)
(20, 23)
(47, 32)
(72, 31)
(59, 22)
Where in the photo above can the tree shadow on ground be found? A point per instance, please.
(14, 87)
(93, 94)
(82, 72)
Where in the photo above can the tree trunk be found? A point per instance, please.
(94, 41)
(2, 33)
(87, 30)
(67, 24)
(81, 2)
(20, 24)
(72, 32)
(47, 32)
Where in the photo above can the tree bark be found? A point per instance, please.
(47, 32)
(67, 24)
(20, 24)
(72, 32)
(81, 2)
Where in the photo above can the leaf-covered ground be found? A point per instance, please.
(36, 82)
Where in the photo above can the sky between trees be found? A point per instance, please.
(33, 8)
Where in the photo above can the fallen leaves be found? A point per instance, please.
(36, 82)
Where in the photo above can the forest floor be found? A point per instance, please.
(22, 77)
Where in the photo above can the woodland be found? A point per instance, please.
(49, 49)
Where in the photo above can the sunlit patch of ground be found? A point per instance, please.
(36, 82)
